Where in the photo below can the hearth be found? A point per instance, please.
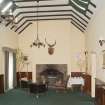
(51, 73)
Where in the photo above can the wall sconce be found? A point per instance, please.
(101, 42)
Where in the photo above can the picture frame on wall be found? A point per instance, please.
(103, 65)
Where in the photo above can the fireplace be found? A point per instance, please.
(51, 73)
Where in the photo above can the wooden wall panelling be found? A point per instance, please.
(87, 84)
(87, 81)
(100, 92)
(76, 74)
(1, 83)
(23, 74)
(98, 97)
(103, 96)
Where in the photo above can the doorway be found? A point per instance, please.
(10, 70)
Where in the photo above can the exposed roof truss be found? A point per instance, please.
(79, 12)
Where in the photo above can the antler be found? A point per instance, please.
(50, 45)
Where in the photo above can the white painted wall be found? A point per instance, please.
(8, 38)
(77, 50)
(70, 43)
(96, 30)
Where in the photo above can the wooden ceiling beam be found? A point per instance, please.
(28, 12)
(50, 19)
(25, 27)
(77, 26)
(12, 27)
(79, 21)
(8, 23)
(59, 5)
(92, 4)
(89, 11)
(21, 26)
(39, 20)
(76, 18)
(87, 16)
(46, 16)
(73, 12)
(79, 16)
(42, 16)
(19, 1)
(62, 19)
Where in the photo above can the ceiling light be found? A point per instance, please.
(7, 7)
(37, 41)
(1, 1)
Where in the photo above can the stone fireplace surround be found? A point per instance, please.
(51, 72)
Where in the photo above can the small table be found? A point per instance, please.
(75, 81)
(24, 82)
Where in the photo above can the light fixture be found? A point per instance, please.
(8, 16)
(1, 1)
(101, 42)
(37, 41)
(7, 13)
(7, 7)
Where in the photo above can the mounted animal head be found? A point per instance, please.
(50, 47)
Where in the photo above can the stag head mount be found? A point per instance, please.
(50, 47)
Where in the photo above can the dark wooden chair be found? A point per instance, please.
(61, 85)
(37, 88)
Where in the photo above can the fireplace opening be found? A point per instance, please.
(51, 73)
(51, 76)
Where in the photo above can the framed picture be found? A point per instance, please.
(103, 59)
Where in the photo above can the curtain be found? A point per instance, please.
(14, 71)
(6, 69)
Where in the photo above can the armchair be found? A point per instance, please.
(61, 85)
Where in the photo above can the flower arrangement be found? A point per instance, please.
(19, 60)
